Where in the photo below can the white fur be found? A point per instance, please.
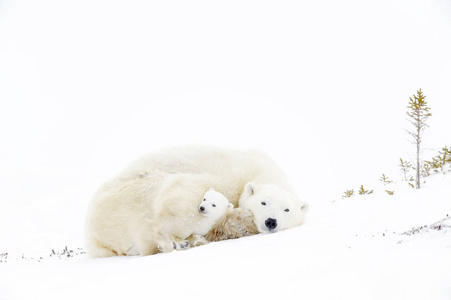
(213, 207)
(154, 201)
(270, 204)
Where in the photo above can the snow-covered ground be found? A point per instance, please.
(87, 86)
(366, 247)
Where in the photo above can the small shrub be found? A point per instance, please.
(362, 191)
(348, 194)
(426, 169)
(385, 179)
(405, 168)
(439, 163)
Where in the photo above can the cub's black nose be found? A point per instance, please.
(202, 208)
(271, 223)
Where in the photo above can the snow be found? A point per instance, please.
(88, 86)
(356, 248)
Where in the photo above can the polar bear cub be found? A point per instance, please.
(213, 207)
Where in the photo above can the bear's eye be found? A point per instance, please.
(287, 210)
(263, 203)
(204, 199)
(213, 205)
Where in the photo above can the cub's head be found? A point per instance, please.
(274, 209)
(214, 205)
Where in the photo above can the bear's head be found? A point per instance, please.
(214, 205)
(274, 209)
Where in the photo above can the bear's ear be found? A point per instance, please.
(211, 190)
(230, 206)
(304, 207)
(250, 188)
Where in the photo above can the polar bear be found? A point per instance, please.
(258, 212)
(160, 193)
(271, 214)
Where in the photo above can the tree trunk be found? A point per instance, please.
(418, 164)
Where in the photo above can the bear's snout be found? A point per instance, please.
(201, 209)
(271, 223)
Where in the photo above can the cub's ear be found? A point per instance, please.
(250, 188)
(230, 206)
(211, 190)
(305, 207)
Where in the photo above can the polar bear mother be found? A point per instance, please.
(164, 189)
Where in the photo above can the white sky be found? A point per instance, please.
(87, 86)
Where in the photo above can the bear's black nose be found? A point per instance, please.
(202, 208)
(271, 223)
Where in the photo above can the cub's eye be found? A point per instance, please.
(287, 210)
(263, 203)
(204, 200)
(213, 205)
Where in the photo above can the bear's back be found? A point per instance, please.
(228, 169)
(202, 159)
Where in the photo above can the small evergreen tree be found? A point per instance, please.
(426, 170)
(362, 191)
(440, 162)
(348, 194)
(418, 113)
(443, 158)
(405, 168)
(446, 152)
(385, 179)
